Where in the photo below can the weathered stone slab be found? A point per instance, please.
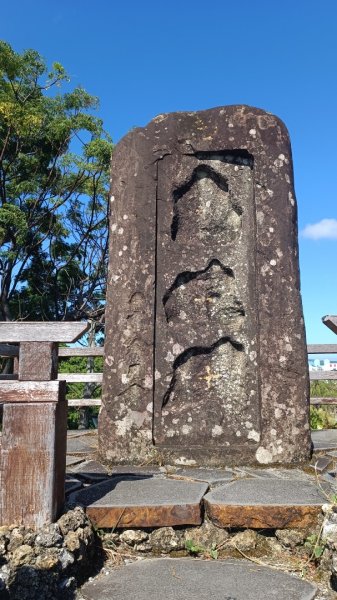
(210, 476)
(204, 319)
(79, 445)
(142, 502)
(265, 503)
(324, 439)
(143, 471)
(91, 471)
(322, 463)
(170, 579)
(73, 460)
(79, 432)
(333, 453)
(273, 473)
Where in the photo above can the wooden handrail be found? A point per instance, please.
(32, 331)
(83, 351)
(322, 348)
(12, 350)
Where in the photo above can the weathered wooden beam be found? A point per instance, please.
(38, 361)
(322, 348)
(84, 402)
(28, 391)
(84, 351)
(315, 401)
(81, 377)
(32, 461)
(331, 322)
(33, 331)
(321, 375)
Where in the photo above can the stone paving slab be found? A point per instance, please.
(142, 502)
(193, 579)
(81, 444)
(330, 477)
(275, 473)
(81, 432)
(210, 476)
(332, 453)
(322, 463)
(91, 471)
(324, 439)
(146, 470)
(73, 460)
(265, 503)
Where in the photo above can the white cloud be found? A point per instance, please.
(324, 229)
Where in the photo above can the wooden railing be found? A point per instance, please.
(35, 419)
(12, 351)
(331, 322)
(7, 350)
(322, 375)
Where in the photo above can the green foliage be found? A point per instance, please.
(196, 549)
(322, 417)
(323, 389)
(315, 545)
(213, 551)
(77, 364)
(54, 171)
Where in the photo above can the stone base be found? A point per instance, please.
(169, 579)
(49, 562)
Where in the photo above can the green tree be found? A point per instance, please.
(54, 170)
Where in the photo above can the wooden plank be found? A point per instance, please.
(32, 463)
(88, 402)
(331, 322)
(81, 377)
(84, 351)
(34, 331)
(8, 350)
(315, 401)
(28, 391)
(322, 348)
(38, 361)
(321, 375)
(8, 376)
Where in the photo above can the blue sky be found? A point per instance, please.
(146, 57)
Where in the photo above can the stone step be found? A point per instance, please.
(265, 503)
(324, 439)
(159, 500)
(84, 444)
(171, 579)
(142, 502)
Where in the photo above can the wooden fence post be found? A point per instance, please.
(33, 452)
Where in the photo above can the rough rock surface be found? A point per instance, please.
(142, 502)
(169, 579)
(48, 563)
(265, 503)
(204, 320)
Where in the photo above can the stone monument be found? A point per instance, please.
(206, 360)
